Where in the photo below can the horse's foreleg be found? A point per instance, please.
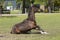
(41, 30)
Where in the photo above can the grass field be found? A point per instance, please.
(49, 22)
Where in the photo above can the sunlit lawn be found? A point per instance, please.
(49, 22)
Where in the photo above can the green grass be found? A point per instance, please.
(15, 11)
(49, 22)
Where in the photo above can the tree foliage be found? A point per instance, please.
(57, 2)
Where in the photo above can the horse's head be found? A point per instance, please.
(35, 8)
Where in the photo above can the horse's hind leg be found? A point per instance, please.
(15, 31)
(26, 32)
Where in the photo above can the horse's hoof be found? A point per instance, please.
(43, 32)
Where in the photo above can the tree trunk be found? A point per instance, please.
(23, 10)
(49, 6)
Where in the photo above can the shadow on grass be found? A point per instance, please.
(1, 36)
(31, 33)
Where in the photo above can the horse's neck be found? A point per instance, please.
(31, 14)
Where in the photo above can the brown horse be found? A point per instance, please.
(28, 24)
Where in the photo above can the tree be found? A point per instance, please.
(49, 5)
(23, 10)
(56, 5)
(26, 4)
